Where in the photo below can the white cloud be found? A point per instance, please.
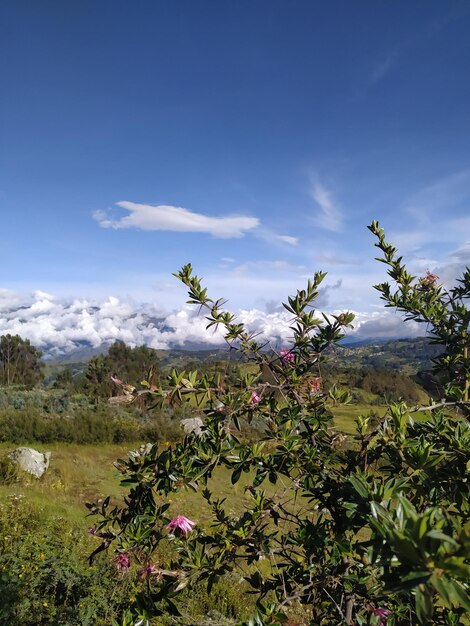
(274, 238)
(433, 202)
(269, 266)
(292, 241)
(178, 219)
(329, 216)
(462, 253)
(60, 327)
(436, 214)
(384, 325)
(335, 259)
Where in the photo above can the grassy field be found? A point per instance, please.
(77, 474)
(57, 533)
(44, 544)
(81, 473)
(86, 473)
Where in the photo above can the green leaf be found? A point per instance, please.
(360, 485)
(236, 475)
(423, 604)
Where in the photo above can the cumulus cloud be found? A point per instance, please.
(383, 325)
(61, 327)
(329, 215)
(458, 261)
(172, 218)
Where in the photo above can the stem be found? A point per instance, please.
(466, 383)
(348, 614)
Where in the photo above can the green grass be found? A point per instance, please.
(81, 473)
(84, 473)
(344, 416)
(77, 473)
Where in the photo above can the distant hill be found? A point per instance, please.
(408, 356)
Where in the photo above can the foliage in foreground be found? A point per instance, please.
(369, 530)
(44, 577)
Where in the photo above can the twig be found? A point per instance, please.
(432, 407)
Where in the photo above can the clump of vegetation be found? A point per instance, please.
(19, 361)
(9, 472)
(45, 416)
(389, 385)
(44, 575)
(121, 361)
(370, 530)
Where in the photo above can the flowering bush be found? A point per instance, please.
(369, 529)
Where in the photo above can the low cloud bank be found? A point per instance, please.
(61, 327)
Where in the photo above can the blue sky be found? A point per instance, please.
(255, 139)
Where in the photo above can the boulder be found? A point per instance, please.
(31, 461)
(193, 425)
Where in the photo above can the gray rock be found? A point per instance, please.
(31, 461)
(192, 425)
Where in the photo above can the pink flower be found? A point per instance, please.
(122, 562)
(315, 385)
(180, 523)
(147, 571)
(286, 356)
(255, 399)
(382, 613)
(429, 279)
(92, 530)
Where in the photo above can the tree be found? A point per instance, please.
(19, 361)
(121, 360)
(63, 379)
(370, 529)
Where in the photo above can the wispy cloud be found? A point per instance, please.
(429, 30)
(454, 266)
(436, 214)
(178, 219)
(336, 259)
(329, 215)
(270, 266)
(292, 241)
(451, 191)
(383, 66)
(462, 253)
(274, 238)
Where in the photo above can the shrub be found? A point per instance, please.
(8, 470)
(373, 530)
(44, 575)
(84, 424)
